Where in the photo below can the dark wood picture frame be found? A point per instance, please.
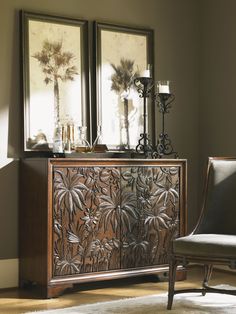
(121, 48)
(52, 47)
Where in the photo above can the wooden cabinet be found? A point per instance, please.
(95, 219)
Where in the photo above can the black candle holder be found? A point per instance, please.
(164, 146)
(144, 86)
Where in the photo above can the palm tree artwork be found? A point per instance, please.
(57, 65)
(122, 81)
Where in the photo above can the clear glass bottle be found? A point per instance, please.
(58, 146)
(82, 145)
(69, 137)
(96, 141)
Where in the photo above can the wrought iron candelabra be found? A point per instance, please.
(144, 86)
(164, 147)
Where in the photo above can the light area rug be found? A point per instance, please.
(188, 303)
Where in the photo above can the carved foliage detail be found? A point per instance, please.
(157, 192)
(111, 217)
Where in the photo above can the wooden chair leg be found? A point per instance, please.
(172, 275)
(207, 275)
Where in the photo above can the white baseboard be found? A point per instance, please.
(9, 270)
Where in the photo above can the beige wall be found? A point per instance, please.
(176, 25)
(218, 79)
(217, 120)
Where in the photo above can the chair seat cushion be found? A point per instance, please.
(206, 245)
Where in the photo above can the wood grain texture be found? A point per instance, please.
(33, 222)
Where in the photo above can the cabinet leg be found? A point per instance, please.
(56, 291)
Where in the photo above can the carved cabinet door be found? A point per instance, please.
(110, 217)
(150, 214)
(86, 219)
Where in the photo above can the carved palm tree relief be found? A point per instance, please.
(80, 244)
(57, 65)
(118, 208)
(111, 217)
(157, 193)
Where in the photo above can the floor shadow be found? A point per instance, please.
(31, 292)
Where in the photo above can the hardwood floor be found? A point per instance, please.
(17, 301)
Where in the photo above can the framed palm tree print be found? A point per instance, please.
(55, 75)
(122, 54)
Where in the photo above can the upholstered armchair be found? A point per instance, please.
(213, 241)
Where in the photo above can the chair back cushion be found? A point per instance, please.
(219, 212)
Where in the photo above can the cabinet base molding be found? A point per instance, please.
(59, 286)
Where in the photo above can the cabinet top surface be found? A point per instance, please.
(115, 161)
(109, 160)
